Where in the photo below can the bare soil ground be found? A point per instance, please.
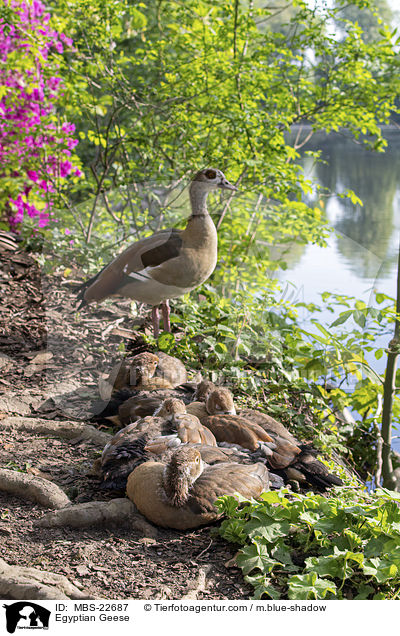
(50, 360)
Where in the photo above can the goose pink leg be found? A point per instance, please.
(156, 321)
(166, 312)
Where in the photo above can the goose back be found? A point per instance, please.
(145, 488)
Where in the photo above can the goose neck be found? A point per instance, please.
(176, 485)
(198, 199)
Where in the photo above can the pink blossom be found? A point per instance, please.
(28, 138)
(32, 174)
(65, 168)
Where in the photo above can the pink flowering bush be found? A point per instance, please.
(35, 146)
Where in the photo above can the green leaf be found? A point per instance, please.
(310, 517)
(309, 586)
(256, 556)
(381, 569)
(364, 591)
(264, 525)
(262, 586)
(166, 341)
(343, 316)
(359, 318)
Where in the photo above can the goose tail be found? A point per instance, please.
(117, 469)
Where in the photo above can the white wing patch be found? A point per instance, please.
(144, 274)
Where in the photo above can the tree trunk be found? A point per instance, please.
(389, 389)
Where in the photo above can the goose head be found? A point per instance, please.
(142, 367)
(211, 179)
(220, 402)
(182, 470)
(202, 390)
(170, 408)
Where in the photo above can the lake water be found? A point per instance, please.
(362, 253)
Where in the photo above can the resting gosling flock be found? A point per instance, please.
(167, 264)
(169, 427)
(181, 494)
(253, 429)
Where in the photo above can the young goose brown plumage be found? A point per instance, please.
(145, 402)
(284, 453)
(171, 369)
(182, 494)
(211, 400)
(144, 372)
(218, 414)
(137, 373)
(202, 390)
(167, 264)
(294, 459)
(127, 449)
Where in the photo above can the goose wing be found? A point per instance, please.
(236, 430)
(146, 253)
(144, 488)
(227, 479)
(315, 472)
(268, 423)
(126, 450)
(190, 430)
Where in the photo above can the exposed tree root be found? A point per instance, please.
(41, 491)
(66, 430)
(29, 583)
(98, 513)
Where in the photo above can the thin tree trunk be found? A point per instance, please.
(389, 389)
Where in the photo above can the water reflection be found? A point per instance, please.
(373, 177)
(362, 254)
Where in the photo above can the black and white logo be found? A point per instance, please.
(26, 615)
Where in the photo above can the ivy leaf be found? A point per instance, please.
(309, 586)
(264, 525)
(232, 530)
(326, 566)
(332, 524)
(310, 517)
(364, 591)
(256, 556)
(381, 569)
(262, 586)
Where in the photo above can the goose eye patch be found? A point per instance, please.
(211, 174)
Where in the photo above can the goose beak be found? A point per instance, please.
(226, 185)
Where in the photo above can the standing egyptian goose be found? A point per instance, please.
(182, 494)
(169, 427)
(167, 264)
